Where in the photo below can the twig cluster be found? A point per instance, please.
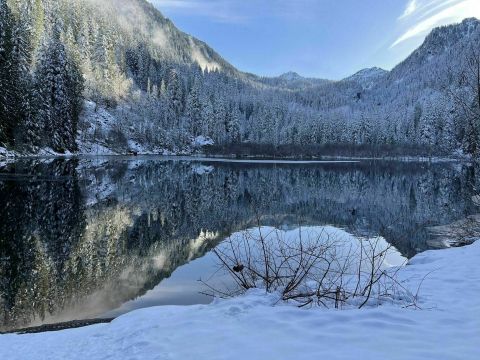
(310, 270)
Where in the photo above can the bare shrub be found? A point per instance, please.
(310, 269)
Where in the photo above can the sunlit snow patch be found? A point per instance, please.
(202, 141)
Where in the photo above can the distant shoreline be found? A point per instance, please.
(243, 158)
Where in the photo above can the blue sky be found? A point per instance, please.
(318, 38)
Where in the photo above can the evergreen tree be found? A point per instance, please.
(27, 132)
(233, 126)
(471, 136)
(220, 118)
(9, 75)
(58, 94)
(428, 134)
(208, 120)
(194, 108)
(173, 98)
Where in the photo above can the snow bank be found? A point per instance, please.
(251, 327)
(4, 153)
(201, 140)
(5, 157)
(202, 169)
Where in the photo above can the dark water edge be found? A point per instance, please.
(58, 326)
(297, 151)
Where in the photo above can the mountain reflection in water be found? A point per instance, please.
(85, 237)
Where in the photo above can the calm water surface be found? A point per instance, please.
(94, 237)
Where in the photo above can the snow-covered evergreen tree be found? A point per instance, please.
(194, 108)
(58, 90)
(173, 98)
(9, 74)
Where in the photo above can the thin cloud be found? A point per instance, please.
(177, 4)
(436, 6)
(410, 9)
(218, 10)
(421, 16)
(238, 11)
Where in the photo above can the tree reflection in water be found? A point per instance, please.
(81, 237)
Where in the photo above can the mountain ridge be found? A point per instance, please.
(131, 81)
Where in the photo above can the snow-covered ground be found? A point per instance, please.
(97, 125)
(250, 327)
(202, 169)
(4, 153)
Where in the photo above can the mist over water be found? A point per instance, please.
(86, 237)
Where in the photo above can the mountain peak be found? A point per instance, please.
(442, 40)
(367, 77)
(444, 35)
(369, 72)
(471, 21)
(291, 75)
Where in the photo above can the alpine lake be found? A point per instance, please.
(97, 237)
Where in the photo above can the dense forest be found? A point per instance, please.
(118, 75)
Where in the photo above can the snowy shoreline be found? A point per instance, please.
(198, 156)
(250, 327)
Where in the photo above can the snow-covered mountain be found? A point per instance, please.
(367, 77)
(146, 86)
(291, 76)
(140, 21)
(442, 41)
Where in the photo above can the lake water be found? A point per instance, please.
(98, 237)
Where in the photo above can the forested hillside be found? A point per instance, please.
(116, 76)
